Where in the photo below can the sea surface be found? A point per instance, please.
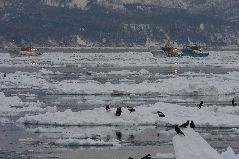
(22, 141)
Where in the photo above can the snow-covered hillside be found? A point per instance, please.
(73, 3)
(120, 22)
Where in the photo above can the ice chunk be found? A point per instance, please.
(84, 142)
(193, 146)
(164, 156)
(45, 71)
(229, 154)
(144, 115)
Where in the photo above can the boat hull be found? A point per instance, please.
(192, 53)
(165, 54)
(30, 53)
(24, 53)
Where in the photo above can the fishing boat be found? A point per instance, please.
(31, 51)
(27, 51)
(194, 51)
(171, 51)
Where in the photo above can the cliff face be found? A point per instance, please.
(119, 22)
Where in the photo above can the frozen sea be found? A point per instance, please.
(52, 105)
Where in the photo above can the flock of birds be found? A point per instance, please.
(160, 114)
(131, 109)
(178, 131)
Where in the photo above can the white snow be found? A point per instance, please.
(73, 3)
(11, 106)
(193, 146)
(229, 154)
(176, 85)
(164, 156)
(144, 115)
(202, 27)
(185, 84)
(24, 80)
(226, 59)
(126, 72)
(84, 142)
(45, 71)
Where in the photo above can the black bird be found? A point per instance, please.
(178, 131)
(118, 135)
(233, 102)
(118, 111)
(160, 114)
(148, 156)
(4, 75)
(88, 73)
(131, 137)
(107, 107)
(131, 109)
(184, 125)
(200, 105)
(192, 125)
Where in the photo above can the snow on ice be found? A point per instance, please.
(59, 59)
(229, 154)
(144, 115)
(84, 142)
(189, 84)
(193, 146)
(13, 106)
(164, 156)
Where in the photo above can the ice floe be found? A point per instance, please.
(190, 84)
(144, 115)
(84, 142)
(229, 154)
(45, 71)
(193, 146)
(213, 85)
(11, 106)
(59, 59)
(164, 156)
(24, 80)
(126, 72)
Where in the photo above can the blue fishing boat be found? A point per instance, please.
(194, 51)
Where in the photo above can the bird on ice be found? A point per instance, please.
(118, 111)
(233, 102)
(178, 131)
(148, 156)
(107, 107)
(184, 125)
(200, 105)
(131, 109)
(192, 125)
(160, 114)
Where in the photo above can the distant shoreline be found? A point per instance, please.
(115, 49)
(122, 49)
